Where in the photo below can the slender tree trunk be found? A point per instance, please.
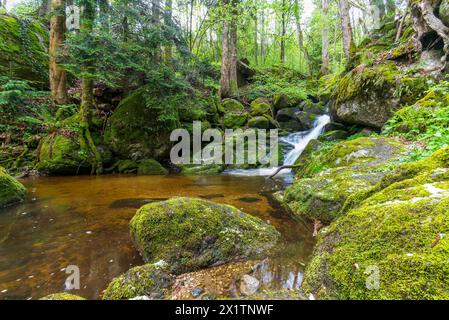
(300, 39)
(325, 39)
(225, 88)
(191, 26)
(234, 58)
(346, 29)
(156, 20)
(283, 32)
(168, 16)
(58, 76)
(256, 44)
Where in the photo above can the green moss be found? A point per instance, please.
(150, 281)
(394, 231)
(231, 105)
(202, 170)
(259, 122)
(62, 154)
(261, 107)
(151, 167)
(332, 174)
(11, 191)
(23, 49)
(235, 120)
(62, 296)
(190, 234)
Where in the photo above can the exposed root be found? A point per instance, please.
(280, 169)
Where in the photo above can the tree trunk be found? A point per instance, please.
(346, 29)
(87, 97)
(283, 32)
(58, 76)
(168, 16)
(228, 80)
(325, 39)
(256, 44)
(300, 37)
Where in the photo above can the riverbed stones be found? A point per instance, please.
(11, 190)
(151, 281)
(190, 234)
(249, 285)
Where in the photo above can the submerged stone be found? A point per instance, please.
(62, 296)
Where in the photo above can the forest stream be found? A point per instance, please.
(84, 220)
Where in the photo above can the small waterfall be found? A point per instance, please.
(298, 140)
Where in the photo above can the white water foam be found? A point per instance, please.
(298, 140)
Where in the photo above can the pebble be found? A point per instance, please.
(249, 285)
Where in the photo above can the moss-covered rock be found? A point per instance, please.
(23, 49)
(334, 173)
(334, 135)
(392, 244)
(261, 107)
(151, 281)
(62, 296)
(369, 95)
(232, 105)
(233, 120)
(259, 122)
(61, 154)
(11, 190)
(190, 234)
(140, 127)
(306, 119)
(151, 167)
(202, 170)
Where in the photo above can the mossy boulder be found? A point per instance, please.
(23, 49)
(334, 135)
(151, 167)
(232, 105)
(392, 244)
(281, 101)
(233, 120)
(138, 129)
(306, 119)
(261, 107)
(61, 154)
(369, 95)
(11, 190)
(202, 170)
(151, 281)
(259, 122)
(190, 234)
(62, 296)
(334, 173)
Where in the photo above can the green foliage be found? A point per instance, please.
(426, 121)
(282, 81)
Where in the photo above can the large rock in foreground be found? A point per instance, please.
(393, 244)
(11, 190)
(190, 234)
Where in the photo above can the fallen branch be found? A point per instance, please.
(280, 169)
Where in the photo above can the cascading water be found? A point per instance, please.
(298, 140)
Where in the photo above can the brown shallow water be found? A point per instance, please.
(83, 221)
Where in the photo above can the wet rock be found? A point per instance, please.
(261, 107)
(334, 135)
(287, 114)
(306, 119)
(332, 126)
(259, 123)
(249, 285)
(151, 167)
(191, 233)
(11, 190)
